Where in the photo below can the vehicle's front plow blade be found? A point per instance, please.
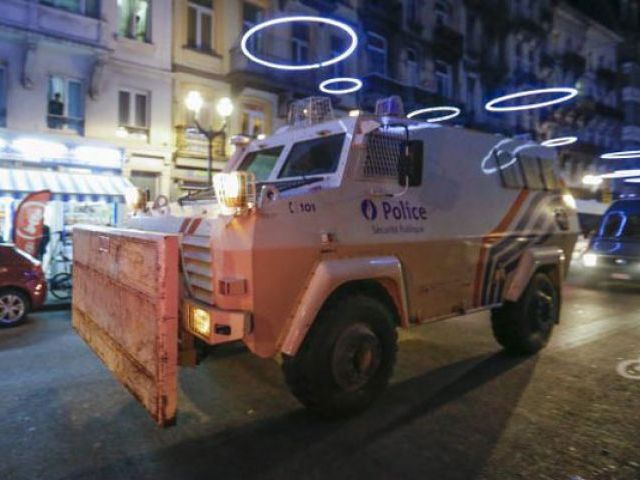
(125, 306)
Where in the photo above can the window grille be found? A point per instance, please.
(383, 151)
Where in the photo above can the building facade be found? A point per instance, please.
(122, 71)
(85, 101)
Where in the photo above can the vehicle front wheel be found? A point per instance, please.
(14, 306)
(347, 358)
(524, 327)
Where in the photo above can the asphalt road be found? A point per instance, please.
(458, 408)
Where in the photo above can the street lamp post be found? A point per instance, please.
(224, 107)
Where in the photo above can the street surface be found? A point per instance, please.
(458, 409)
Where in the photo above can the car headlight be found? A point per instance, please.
(235, 191)
(590, 259)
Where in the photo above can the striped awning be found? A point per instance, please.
(64, 186)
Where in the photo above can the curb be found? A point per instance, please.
(54, 307)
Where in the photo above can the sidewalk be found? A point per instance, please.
(52, 304)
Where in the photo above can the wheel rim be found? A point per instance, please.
(356, 357)
(544, 308)
(12, 308)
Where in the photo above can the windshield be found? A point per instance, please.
(621, 225)
(313, 157)
(261, 162)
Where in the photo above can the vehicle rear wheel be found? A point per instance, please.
(525, 326)
(347, 358)
(14, 306)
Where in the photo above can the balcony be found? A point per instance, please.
(574, 62)
(245, 73)
(447, 44)
(54, 19)
(68, 124)
(191, 143)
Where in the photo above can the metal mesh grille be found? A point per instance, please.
(310, 111)
(383, 152)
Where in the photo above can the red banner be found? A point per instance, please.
(29, 220)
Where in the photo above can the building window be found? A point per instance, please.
(133, 112)
(251, 16)
(300, 43)
(148, 182)
(252, 120)
(443, 13)
(135, 19)
(337, 47)
(377, 53)
(472, 81)
(90, 8)
(470, 27)
(412, 67)
(200, 25)
(3, 97)
(443, 79)
(412, 12)
(65, 104)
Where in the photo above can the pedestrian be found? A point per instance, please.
(44, 241)
(55, 111)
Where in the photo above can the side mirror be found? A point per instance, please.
(410, 164)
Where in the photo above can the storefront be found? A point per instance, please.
(76, 198)
(85, 181)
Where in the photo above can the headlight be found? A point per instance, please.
(201, 321)
(590, 259)
(569, 201)
(235, 191)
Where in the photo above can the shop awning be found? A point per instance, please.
(64, 186)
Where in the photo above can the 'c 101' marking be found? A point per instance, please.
(302, 207)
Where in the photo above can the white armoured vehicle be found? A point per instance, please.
(319, 242)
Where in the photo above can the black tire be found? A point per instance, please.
(60, 286)
(347, 358)
(524, 327)
(14, 307)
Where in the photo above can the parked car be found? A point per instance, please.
(614, 250)
(23, 286)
